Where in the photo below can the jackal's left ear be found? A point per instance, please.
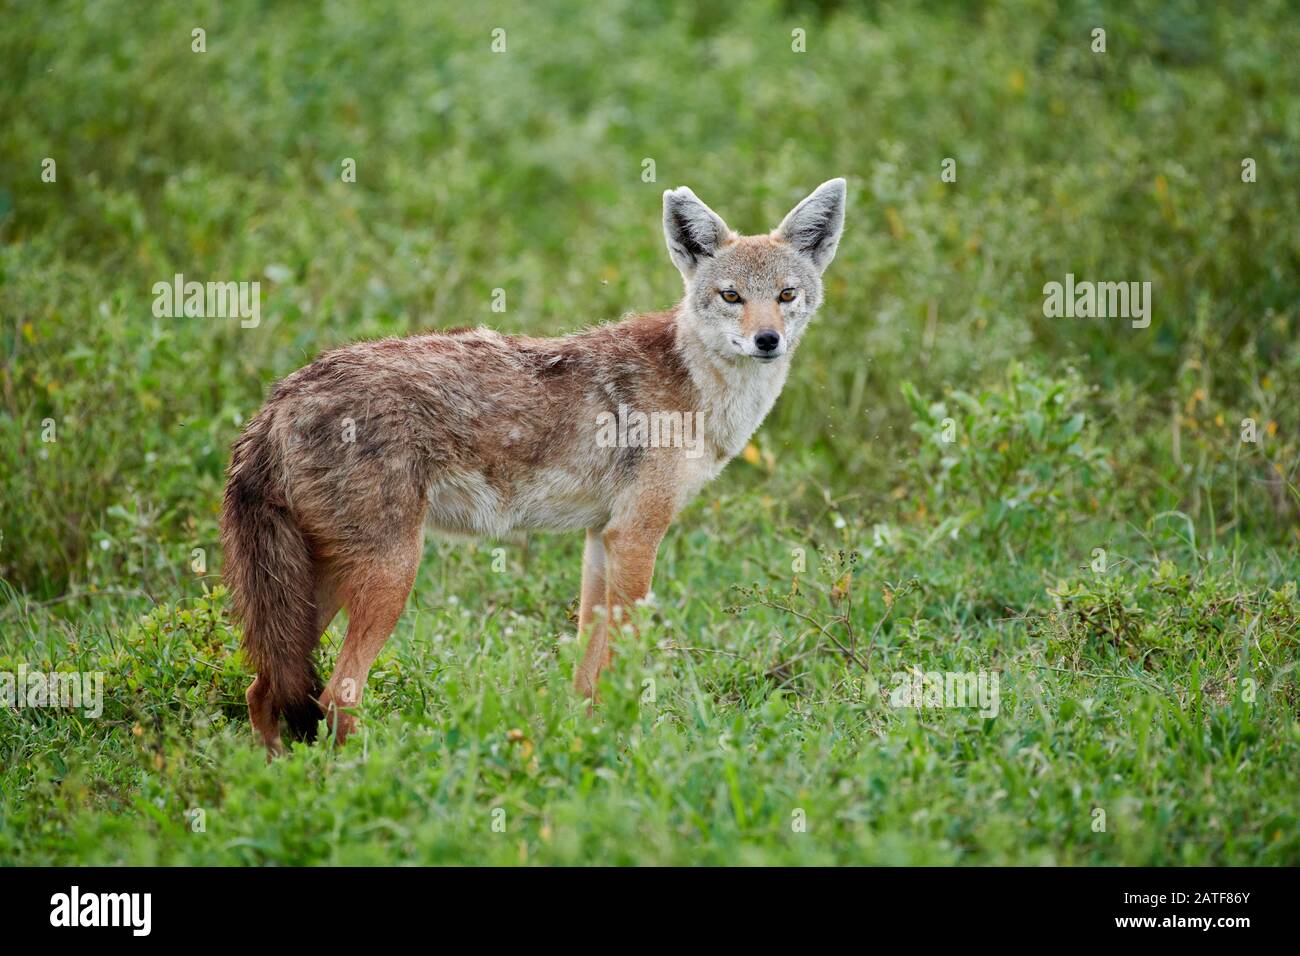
(814, 226)
(693, 230)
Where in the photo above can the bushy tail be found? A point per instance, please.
(269, 570)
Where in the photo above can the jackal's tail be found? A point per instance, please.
(270, 572)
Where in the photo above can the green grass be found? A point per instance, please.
(1153, 688)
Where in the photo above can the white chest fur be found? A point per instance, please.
(736, 398)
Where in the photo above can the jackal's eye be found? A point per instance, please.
(787, 295)
(729, 295)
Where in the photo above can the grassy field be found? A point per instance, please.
(1100, 534)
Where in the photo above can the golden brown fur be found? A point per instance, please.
(333, 482)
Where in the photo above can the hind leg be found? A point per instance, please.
(374, 591)
(328, 602)
(263, 716)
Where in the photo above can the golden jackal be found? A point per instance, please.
(333, 482)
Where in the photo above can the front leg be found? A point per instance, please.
(591, 614)
(628, 547)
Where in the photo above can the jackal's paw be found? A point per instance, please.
(340, 722)
(585, 684)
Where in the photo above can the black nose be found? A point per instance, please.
(767, 341)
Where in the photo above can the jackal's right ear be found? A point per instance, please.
(693, 230)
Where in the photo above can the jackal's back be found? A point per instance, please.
(484, 432)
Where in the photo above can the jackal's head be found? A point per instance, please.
(749, 298)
